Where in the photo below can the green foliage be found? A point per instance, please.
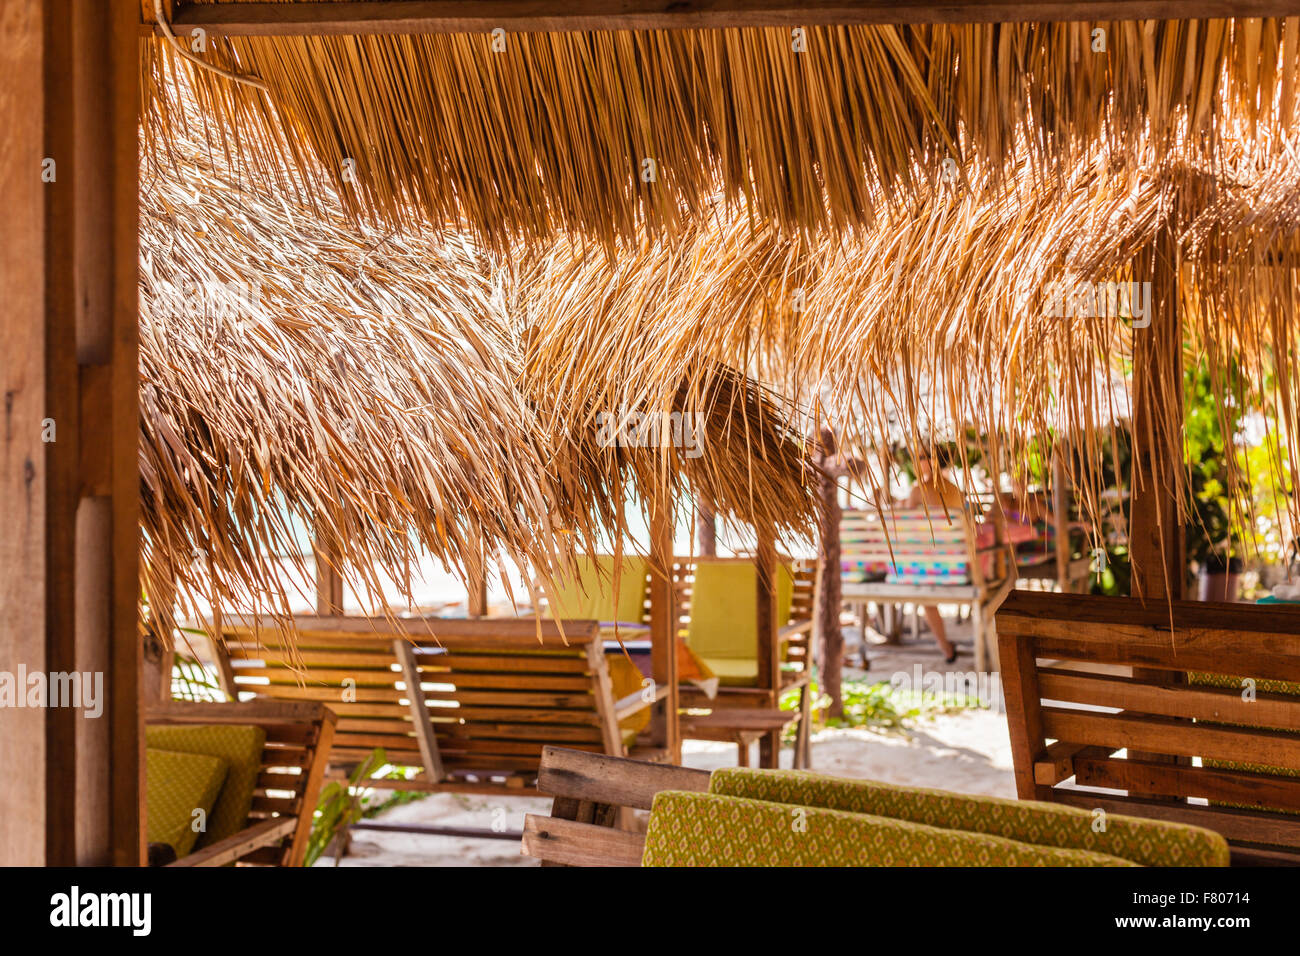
(878, 704)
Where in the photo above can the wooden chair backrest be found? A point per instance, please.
(1085, 676)
(493, 694)
(801, 600)
(298, 739)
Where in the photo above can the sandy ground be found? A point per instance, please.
(966, 751)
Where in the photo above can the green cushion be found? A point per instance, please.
(733, 672)
(724, 615)
(240, 746)
(704, 829)
(1146, 842)
(177, 784)
(590, 595)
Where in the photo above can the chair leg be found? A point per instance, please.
(977, 629)
(803, 737)
(742, 750)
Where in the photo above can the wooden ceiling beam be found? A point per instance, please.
(357, 17)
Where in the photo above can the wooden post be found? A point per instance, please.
(69, 465)
(1061, 517)
(1156, 545)
(706, 529)
(477, 601)
(769, 646)
(665, 728)
(329, 579)
(828, 636)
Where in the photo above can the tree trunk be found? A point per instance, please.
(706, 530)
(827, 633)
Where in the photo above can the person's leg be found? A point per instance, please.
(935, 620)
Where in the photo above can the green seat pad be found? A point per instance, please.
(177, 784)
(705, 829)
(240, 746)
(1145, 842)
(590, 595)
(724, 616)
(733, 672)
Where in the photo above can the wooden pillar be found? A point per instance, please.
(828, 636)
(69, 466)
(1156, 546)
(665, 727)
(769, 646)
(329, 578)
(476, 586)
(706, 529)
(1061, 516)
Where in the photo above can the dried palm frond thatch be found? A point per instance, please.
(306, 378)
(611, 133)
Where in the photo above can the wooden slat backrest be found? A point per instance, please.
(298, 739)
(1072, 700)
(495, 690)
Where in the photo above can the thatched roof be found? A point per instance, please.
(543, 132)
(303, 375)
(940, 313)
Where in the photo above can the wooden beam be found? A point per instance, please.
(70, 485)
(362, 17)
(769, 644)
(420, 717)
(664, 728)
(329, 579)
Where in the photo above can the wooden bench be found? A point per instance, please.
(1086, 677)
(869, 538)
(298, 738)
(494, 692)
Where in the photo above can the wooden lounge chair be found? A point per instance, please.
(925, 558)
(1087, 677)
(298, 738)
(716, 607)
(492, 694)
(740, 817)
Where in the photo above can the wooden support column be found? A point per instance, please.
(477, 605)
(769, 645)
(665, 729)
(1061, 517)
(329, 578)
(1156, 544)
(706, 529)
(828, 636)
(69, 465)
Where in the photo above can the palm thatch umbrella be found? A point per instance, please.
(610, 133)
(302, 374)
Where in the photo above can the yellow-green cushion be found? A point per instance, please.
(1146, 842)
(703, 829)
(177, 784)
(240, 747)
(590, 596)
(724, 615)
(733, 672)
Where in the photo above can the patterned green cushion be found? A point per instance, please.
(704, 829)
(177, 784)
(240, 747)
(1264, 686)
(1146, 842)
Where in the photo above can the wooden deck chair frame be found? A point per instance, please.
(983, 594)
(592, 793)
(1085, 677)
(728, 722)
(489, 703)
(298, 738)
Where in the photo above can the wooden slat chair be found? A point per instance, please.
(742, 711)
(927, 559)
(1086, 677)
(591, 595)
(298, 738)
(492, 695)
